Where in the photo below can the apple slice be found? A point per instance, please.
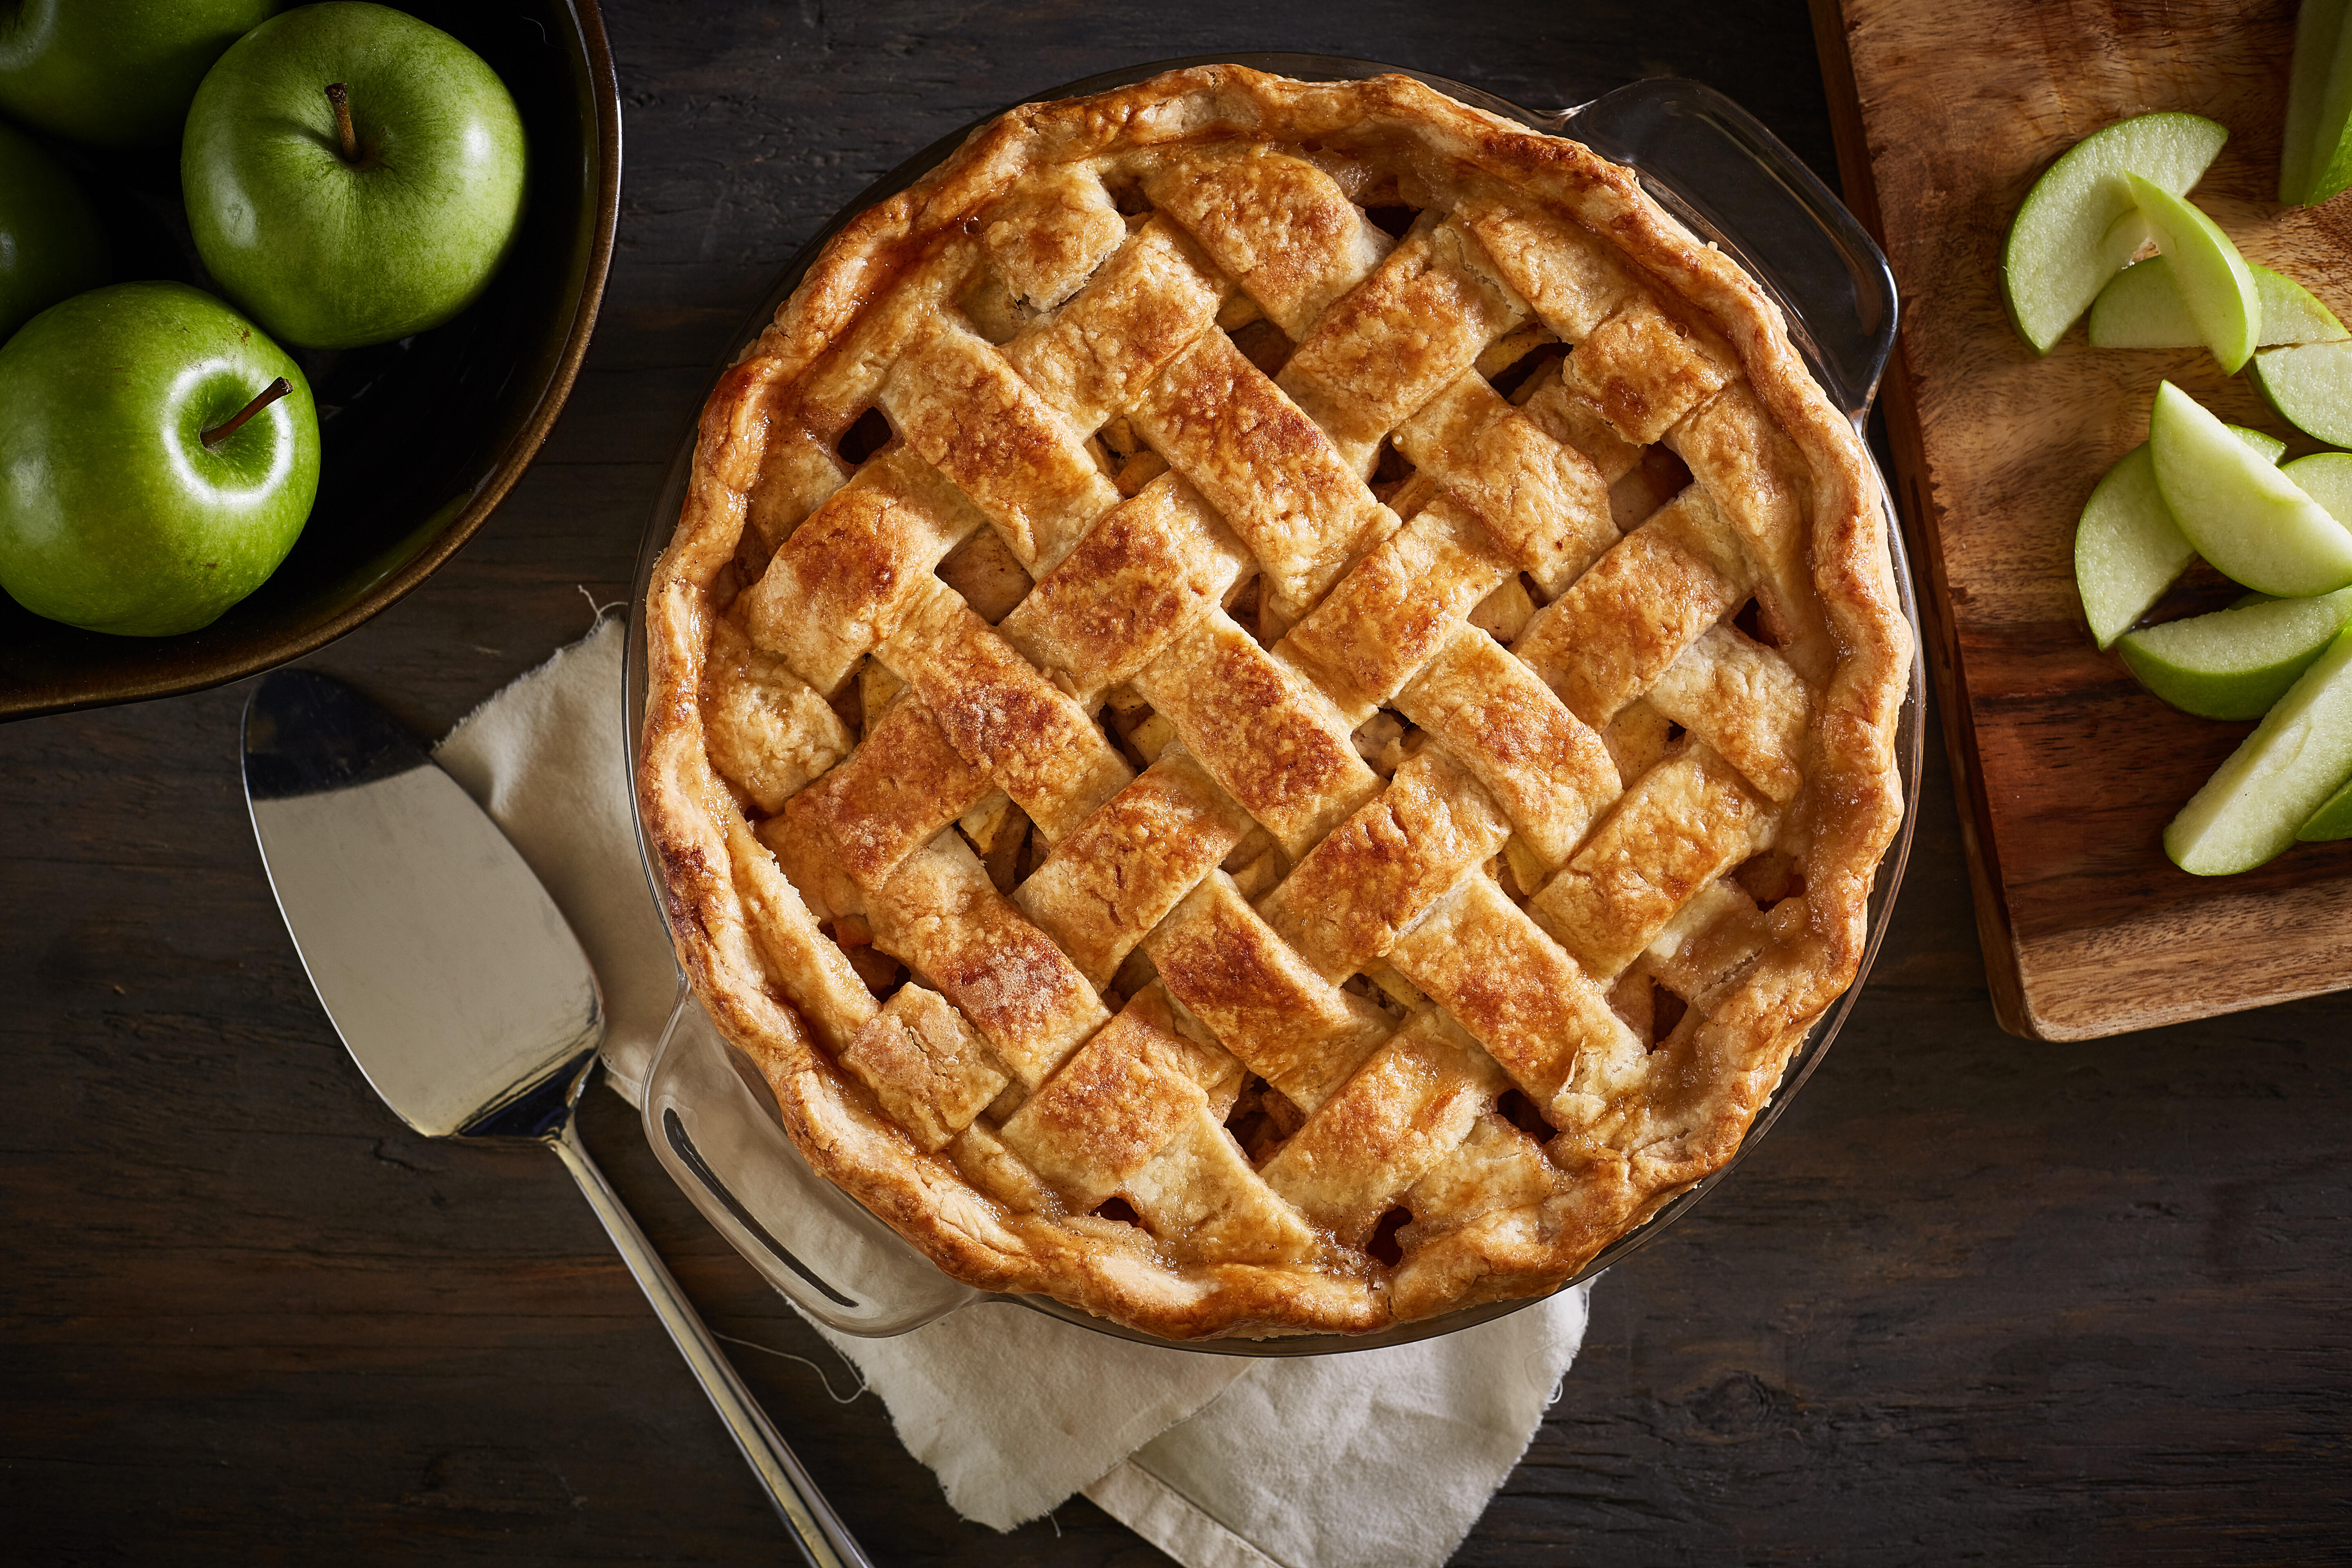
(2332, 820)
(2244, 516)
(2310, 386)
(2214, 281)
(2279, 775)
(2235, 663)
(2128, 549)
(2316, 158)
(2326, 478)
(2142, 309)
(2077, 225)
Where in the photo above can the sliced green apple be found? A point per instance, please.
(2235, 663)
(2078, 225)
(2310, 386)
(2332, 820)
(2142, 309)
(2315, 157)
(2128, 549)
(2297, 756)
(2247, 518)
(2326, 478)
(2214, 281)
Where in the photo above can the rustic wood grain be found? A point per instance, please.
(1971, 1302)
(1946, 114)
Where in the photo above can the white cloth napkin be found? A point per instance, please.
(1377, 1457)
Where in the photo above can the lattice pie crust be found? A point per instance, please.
(1272, 709)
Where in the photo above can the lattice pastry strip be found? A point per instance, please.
(926, 1066)
(1391, 614)
(1277, 225)
(1151, 569)
(1263, 1002)
(1096, 356)
(941, 915)
(958, 403)
(1506, 982)
(800, 465)
(1110, 1109)
(1271, 472)
(1680, 826)
(999, 712)
(1757, 480)
(1200, 1197)
(1047, 239)
(1607, 639)
(1385, 349)
(892, 795)
(1488, 711)
(773, 732)
(1122, 872)
(831, 592)
(1743, 700)
(1646, 368)
(1543, 499)
(1565, 275)
(1404, 1112)
(1378, 872)
(1271, 738)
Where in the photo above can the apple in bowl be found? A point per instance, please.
(158, 457)
(114, 73)
(352, 175)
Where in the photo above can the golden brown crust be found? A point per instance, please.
(1491, 871)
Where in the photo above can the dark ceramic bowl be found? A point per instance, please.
(420, 439)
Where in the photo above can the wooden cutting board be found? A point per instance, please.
(1945, 114)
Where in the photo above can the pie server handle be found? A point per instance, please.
(1714, 166)
(823, 1542)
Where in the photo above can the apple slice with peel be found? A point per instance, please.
(2315, 157)
(2332, 820)
(2235, 663)
(2128, 549)
(2078, 225)
(2214, 281)
(2247, 518)
(2142, 309)
(2297, 756)
(2310, 386)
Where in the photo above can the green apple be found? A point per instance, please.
(118, 73)
(50, 244)
(2215, 283)
(2235, 663)
(2128, 549)
(117, 512)
(2297, 756)
(2332, 820)
(2079, 224)
(2142, 309)
(2315, 157)
(2310, 386)
(343, 221)
(2246, 517)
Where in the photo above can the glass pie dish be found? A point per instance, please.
(710, 1115)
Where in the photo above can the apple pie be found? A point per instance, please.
(1272, 706)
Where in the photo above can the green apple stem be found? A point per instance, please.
(341, 96)
(236, 421)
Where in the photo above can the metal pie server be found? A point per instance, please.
(459, 990)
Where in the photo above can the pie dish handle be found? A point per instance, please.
(713, 1125)
(1714, 166)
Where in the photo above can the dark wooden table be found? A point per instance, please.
(1975, 1298)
